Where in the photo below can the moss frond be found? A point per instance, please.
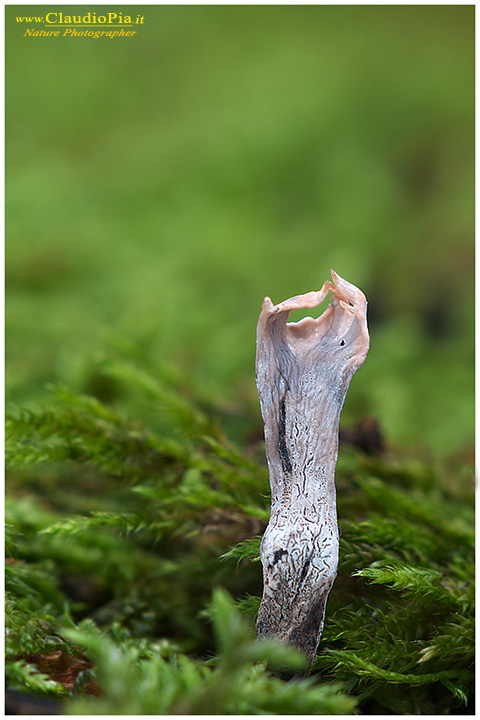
(120, 527)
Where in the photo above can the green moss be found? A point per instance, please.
(161, 188)
(132, 527)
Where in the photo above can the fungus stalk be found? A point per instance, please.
(303, 371)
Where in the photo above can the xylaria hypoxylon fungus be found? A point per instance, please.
(303, 371)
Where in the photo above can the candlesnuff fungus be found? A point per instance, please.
(303, 371)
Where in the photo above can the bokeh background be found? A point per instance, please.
(159, 186)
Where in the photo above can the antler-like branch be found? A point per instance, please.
(303, 371)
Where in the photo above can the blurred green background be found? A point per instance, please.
(159, 186)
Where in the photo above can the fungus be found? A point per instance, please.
(303, 370)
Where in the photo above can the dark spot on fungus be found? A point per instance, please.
(278, 555)
(282, 445)
(304, 570)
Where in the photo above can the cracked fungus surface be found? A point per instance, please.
(303, 371)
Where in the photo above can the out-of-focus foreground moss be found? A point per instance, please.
(121, 526)
(158, 187)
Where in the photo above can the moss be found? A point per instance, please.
(120, 531)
